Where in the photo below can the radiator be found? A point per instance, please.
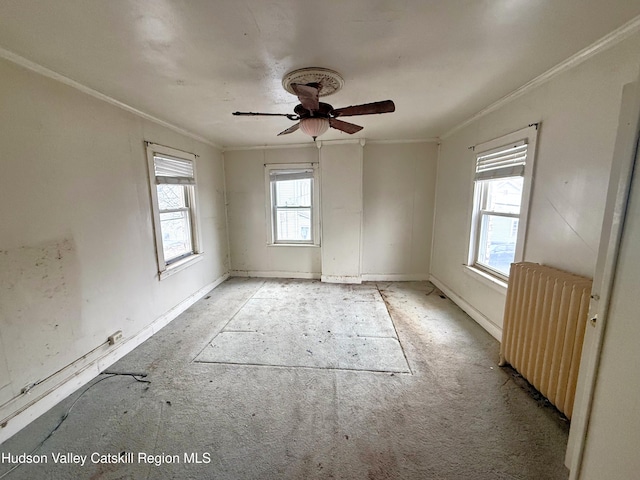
(544, 324)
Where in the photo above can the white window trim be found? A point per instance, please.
(530, 136)
(315, 205)
(492, 281)
(165, 270)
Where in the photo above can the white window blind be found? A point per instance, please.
(507, 161)
(173, 170)
(283, 175)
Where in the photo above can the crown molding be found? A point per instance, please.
(39, 69)
(329, 142)
(293, 145)
(391, 142)
(606, 42)
(269, 147)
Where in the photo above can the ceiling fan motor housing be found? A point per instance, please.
(324, 111)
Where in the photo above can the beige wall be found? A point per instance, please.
(377, 200)
(77, 252)
(399, 193)
(579, 112)
(341, 178)
(246, 209)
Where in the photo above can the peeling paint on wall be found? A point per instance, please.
(40, 309)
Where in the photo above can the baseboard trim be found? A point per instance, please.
(341, 279)
(275, 274)
(367, 277)
(395, 277)
(484, 322)
(50, 392)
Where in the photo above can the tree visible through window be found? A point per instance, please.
(173, 185)
(175, 221)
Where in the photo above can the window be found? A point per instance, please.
(173, 191)
(502, 184)
(292, 190)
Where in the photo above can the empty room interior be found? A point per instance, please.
(284, 239)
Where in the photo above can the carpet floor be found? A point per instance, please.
(296, 379)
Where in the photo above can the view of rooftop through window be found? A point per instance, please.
(499, 222)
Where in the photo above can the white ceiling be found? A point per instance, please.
(193, 62)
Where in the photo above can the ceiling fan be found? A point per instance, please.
(315, 117)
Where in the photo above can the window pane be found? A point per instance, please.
(171, 196)
(497, 245)
(293, 193)
(176, 234)
(504, 194)
(293, 225)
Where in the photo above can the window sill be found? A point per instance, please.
(312, 245)
(497, 284)
(181, 265)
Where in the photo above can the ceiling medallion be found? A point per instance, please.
(331, 81)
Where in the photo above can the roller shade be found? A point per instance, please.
(283, 175)
(173, 170)
(508, 161)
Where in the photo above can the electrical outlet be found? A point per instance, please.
(115, 337)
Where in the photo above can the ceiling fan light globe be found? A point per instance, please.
(314, 127)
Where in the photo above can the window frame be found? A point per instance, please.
(166, 267)
(272, 208)
(528, 136)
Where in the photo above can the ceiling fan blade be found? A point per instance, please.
(386, 106)
(346, 127)
(254, 114)
(291, 129)
(308, 94)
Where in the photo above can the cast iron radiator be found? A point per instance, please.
(544, 324)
